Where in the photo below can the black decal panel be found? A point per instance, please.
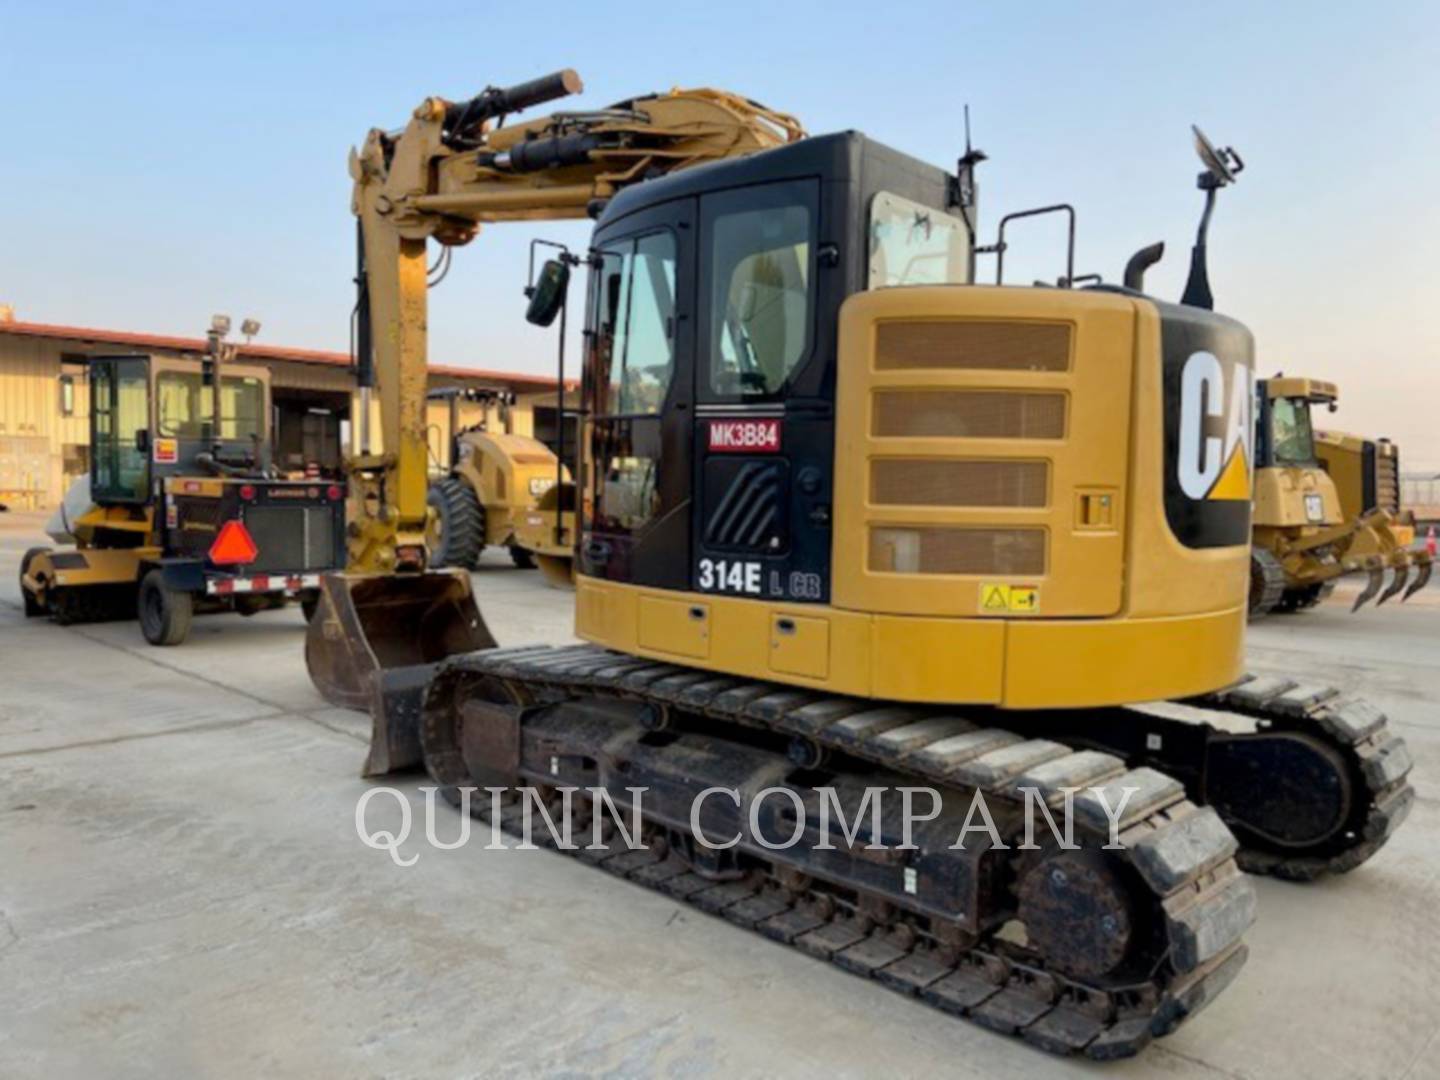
(1209, 398)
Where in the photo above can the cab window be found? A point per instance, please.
(1292, 441)
(637, 324)
(912, 244)
(183, 406)
(759, 265)
(119, 408)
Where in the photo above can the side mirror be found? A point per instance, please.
(547, 295)
(142, 440)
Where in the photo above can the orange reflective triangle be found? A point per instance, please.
(233, 545)
(1234, 482)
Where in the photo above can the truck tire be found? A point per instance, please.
(309, 604)
(33, 608)
(522, 557)
(165, 613)
(459, 534)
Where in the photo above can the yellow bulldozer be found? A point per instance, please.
(1366, 473)
(1325, 506)
(851, 522)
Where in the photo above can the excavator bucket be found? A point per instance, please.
(370, 624)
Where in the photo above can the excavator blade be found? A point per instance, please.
(1421, 580)
(1377, 578)
(1402, 572)
(369, 624)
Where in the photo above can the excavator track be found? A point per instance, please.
(1092, 952)
(1372, 765)
(1315, 787)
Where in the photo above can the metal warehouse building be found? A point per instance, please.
(44, 402)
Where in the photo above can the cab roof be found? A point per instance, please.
(839, 156)
(1314, 391)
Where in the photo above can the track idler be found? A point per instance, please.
(368, 625)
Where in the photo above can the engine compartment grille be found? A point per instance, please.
(957, 482)
(1387, 482)
(938, 549)
(972, 346)
(968, 414)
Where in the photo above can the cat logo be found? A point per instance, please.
(1217, 429)
(1209, 406)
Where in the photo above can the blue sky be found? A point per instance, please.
(165, 161)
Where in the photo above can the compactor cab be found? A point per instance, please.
(181, 516)
(1320, 511)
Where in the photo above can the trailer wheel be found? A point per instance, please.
(165, 613)
(309, 604)
(458, 532)
(522, 557)
(33, 607)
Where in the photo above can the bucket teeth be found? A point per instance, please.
(1377, 578)
(1421, 580)
(1396, 584)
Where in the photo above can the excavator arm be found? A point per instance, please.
(454, 167)
(447, 173)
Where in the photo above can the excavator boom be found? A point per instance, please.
(454, 167)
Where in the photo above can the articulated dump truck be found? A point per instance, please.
(850, 521)
(1326, 505)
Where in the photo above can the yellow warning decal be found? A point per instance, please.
(1009, 599)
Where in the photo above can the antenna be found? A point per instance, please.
(1221, 168)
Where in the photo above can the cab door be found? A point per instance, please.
(120, 429)
(639, 392)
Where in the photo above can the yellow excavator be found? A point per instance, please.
(850, 522)
(1324, 507)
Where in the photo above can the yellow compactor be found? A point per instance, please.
(496, 484)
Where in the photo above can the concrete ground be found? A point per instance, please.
(182, 893)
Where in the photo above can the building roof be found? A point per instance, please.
(257, 352)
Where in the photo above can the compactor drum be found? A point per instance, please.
(863, 545)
